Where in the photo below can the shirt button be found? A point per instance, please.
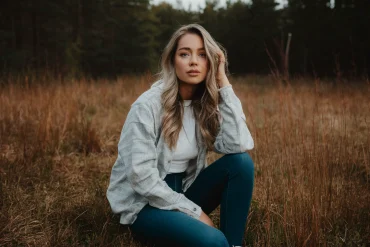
(195, 209)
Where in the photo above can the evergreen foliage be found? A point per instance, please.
(112, 37)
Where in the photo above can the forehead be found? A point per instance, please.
(191, 40)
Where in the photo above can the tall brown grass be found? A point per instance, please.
(59, 142)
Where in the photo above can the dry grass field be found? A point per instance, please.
(58, 142)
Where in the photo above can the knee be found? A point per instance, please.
(242, 164)
(214, 238)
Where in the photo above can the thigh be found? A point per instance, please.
(173, 228)
(207, 189)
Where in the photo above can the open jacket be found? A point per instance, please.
(144, 157)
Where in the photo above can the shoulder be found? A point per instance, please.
(147, 107)
(151, 97)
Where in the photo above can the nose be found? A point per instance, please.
(193, 60)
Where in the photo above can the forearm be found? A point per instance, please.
(234, 135)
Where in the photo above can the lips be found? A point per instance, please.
(193, 71)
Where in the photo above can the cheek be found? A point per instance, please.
(179, 65)
(206, 65)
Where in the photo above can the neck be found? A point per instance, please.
(186, 90)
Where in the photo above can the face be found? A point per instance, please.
(191, 63)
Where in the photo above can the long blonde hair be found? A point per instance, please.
(206, 97)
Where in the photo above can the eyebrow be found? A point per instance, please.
(188, 49)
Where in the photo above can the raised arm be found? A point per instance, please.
(234, 135)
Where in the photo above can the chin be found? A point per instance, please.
(193, 81)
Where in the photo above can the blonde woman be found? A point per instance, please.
(160, 183)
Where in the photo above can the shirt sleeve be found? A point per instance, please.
(234, 135)
(138, 150)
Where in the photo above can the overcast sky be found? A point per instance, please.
(196, 3)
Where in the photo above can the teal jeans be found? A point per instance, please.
(227, 182)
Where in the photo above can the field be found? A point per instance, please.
(58, 142)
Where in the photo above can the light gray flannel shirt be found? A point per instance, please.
(144, 158)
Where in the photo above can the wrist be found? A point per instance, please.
(224, 82)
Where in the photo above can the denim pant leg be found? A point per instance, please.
(174, 228)
(229, 182)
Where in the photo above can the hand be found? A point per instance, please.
(221, 77)
(205, 219)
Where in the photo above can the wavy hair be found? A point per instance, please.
(206, 98)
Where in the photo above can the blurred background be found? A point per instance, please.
(114, 37)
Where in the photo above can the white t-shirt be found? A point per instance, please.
(187, 147)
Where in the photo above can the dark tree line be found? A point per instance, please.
(111, 37)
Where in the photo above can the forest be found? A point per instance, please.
(115, 37)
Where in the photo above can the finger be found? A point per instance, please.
(221, 56)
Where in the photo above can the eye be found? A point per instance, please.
(203, 55)
(183, 54)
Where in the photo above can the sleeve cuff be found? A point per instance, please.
(226, 93)
(192, 209)
(196, 211)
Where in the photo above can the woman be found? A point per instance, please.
(160, 183)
